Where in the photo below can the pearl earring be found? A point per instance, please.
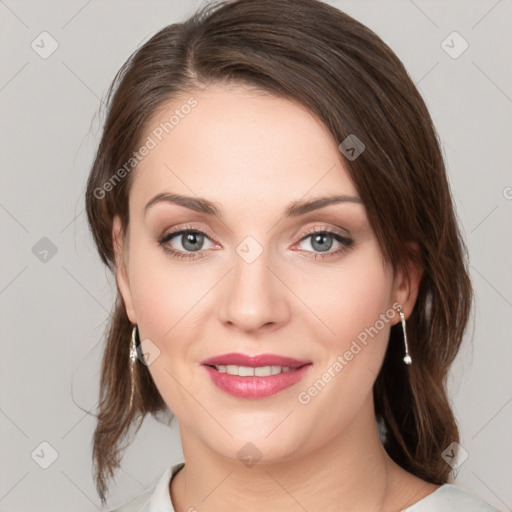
(407, 358)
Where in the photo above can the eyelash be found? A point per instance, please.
(347, 243)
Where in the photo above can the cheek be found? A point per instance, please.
(164, 292)
(355, 305)
(350, 298)
(167, 301)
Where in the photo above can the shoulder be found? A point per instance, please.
(451, 498)
(156, 496)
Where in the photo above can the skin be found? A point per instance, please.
(253, 154)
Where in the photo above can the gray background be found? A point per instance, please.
(54, 306)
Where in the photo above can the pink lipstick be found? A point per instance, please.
(259, 376)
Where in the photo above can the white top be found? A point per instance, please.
(447, 498)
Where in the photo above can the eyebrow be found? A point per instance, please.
(294, 209)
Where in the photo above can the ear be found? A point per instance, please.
(406, 286)
(119, 239)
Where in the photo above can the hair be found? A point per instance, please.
(344, 74)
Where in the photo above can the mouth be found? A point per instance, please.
(255, 382)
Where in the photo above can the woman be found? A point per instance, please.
(271, 196)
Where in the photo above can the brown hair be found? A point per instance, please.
(320, 57)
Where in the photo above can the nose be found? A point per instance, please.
(253, 298)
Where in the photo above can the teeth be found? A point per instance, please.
(246, 371)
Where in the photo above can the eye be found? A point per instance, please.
(189, 240)
(321, 240)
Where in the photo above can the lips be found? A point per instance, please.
(233, 373)
(254, 361)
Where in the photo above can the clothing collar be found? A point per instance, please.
(160, 500)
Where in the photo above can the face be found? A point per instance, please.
(257, 277)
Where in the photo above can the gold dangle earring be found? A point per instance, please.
(133, 358)
(407, 357)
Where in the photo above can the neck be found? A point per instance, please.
(350, 471)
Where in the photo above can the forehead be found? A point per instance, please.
(238, 145)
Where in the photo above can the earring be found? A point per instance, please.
(407, 357)
(133, 357)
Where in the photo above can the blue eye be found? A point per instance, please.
(192, 241)
(322, 240)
